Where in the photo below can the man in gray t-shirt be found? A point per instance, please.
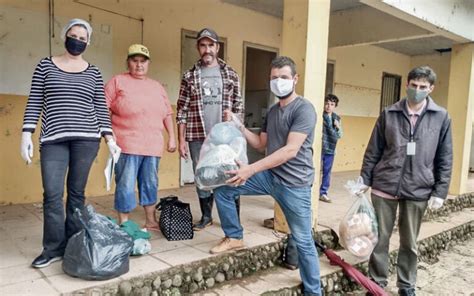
(298, 116)
(211, 90)
(286, 173)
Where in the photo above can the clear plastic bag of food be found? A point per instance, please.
(224, 145)
(358, 230)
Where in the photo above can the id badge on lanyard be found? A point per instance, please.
(411, 146)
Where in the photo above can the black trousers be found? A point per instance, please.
(71, 160)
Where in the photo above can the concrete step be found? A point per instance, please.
(257, 270)
(435, 236)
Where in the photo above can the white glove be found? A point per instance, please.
(435, 203)
(114, 150)
(26, 148)
(363, 189)
(357, 187)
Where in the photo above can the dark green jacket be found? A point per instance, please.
(330, 133)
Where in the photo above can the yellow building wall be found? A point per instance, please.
(162, 35)
(351, 147)
(357, 83)
(440, 63)
(21, 183)
(358, 77)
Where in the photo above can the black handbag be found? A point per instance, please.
(176, 220)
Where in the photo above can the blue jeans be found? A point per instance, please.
(71, 160)
(128, 170)
(326, 161)
(296, 205)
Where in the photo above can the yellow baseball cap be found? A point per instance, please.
(140, 49)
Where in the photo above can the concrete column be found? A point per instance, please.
(460, 104)
(305, 40)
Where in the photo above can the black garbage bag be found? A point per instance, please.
(99, 251)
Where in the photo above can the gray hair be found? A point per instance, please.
(77, 22)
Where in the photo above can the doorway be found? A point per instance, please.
(391, 84)
(256, 89)
(189, 56)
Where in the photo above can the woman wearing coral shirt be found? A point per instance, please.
(140, 110)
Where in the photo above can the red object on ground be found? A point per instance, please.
(353, 272)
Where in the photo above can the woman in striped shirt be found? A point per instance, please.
(68, 93)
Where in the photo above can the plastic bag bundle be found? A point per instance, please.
(222, 147)
(141, 246)
(140, 237)
(358, 230)
(99, 251)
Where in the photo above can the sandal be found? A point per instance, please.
(152, 228)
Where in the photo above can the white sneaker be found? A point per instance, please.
(324, 198)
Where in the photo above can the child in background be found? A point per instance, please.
(332, 131)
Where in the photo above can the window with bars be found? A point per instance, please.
(329, 78)
(391, 84)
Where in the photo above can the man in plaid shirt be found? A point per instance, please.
(207, 89)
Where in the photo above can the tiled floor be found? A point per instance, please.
(21, 235)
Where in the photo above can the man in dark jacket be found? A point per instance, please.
(408, 164)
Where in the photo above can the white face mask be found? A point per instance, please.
(281, 87)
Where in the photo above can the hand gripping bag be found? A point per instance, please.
(358, 230)
(224, 145)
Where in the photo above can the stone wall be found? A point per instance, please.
(451, 206)
(338, 284)
(206, 274)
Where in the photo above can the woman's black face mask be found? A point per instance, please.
(75, 47)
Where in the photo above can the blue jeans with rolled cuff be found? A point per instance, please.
(129, 169)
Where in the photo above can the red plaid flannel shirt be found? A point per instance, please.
(189, 109)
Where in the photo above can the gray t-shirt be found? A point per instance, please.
(211, 90)
(298, 116)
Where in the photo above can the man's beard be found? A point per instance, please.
(208, 58)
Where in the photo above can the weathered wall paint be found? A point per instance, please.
(21, 183)
(162, 34)
(351, 147)
(460, 104)
(358, 77)
(440, 63)
(357, 26)
(449, 15)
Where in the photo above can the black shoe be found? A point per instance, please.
(203, 223)
(406, 292)
(43, 261)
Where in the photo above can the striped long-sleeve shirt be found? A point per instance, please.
(71, 105)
